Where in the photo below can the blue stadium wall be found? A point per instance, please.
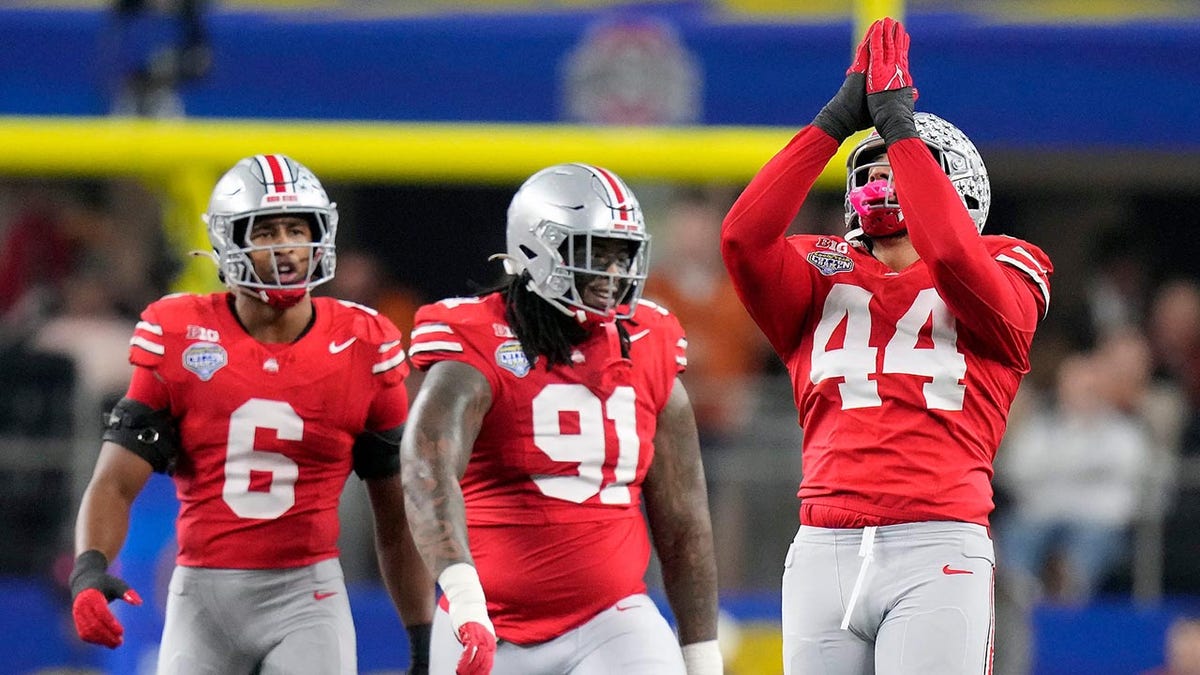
(1078, 84)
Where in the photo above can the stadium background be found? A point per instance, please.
(422, 117)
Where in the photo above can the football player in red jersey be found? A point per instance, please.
(905, 341)
(550, 408)
(259, 402)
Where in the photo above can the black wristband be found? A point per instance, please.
(846, 112)
(418, 643)
(90, 567)
(893, 114)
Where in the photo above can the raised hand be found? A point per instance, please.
(889, 85)
(847, 112)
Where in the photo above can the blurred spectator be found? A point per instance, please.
(1182, 649)
(363, 278)
(1174, 326)
(1077, 474)
(88, 328)
(726, 355)
(1118, 287)
(726, 352)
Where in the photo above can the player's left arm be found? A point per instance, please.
(404, 573)
(677, 510)
(985, 295)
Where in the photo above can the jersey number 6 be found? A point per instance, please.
(241, 459)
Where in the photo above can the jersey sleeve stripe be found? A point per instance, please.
(436, 346)
(384, 366)
(681, 343)
(387, 346)
(149, 327)
(1033, 274)
(152, 347)
(681, 361)
(428, 328)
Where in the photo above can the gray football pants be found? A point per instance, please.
(629, 638)
(273, 622)
(923, 606)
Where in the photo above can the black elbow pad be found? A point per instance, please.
(150, 434)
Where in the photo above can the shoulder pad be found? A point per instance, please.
(1028, 259)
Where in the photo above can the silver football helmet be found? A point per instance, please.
(270, 185)
(950, 147)
(553, 220)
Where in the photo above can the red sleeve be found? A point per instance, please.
(758, 257)
(983, 296)
(389, 409)
(145, 387)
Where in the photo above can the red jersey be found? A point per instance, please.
(903, 380)
(553, 486)
(266, 430)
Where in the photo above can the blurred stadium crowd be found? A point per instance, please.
(1098, 481)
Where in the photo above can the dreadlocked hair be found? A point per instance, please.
(541, 328)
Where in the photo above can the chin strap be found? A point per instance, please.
(285, 298)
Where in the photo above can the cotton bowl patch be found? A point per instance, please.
(830, 263)
(511, 357)
(204, 359)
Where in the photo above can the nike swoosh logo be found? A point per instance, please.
(335, 348)
(318, 595)
(639, 335)
(946, 569)
(625, 608)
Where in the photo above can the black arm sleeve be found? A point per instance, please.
(377, 454)
(150, 434)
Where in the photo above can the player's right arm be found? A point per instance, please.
(442, 426)
(138, 440)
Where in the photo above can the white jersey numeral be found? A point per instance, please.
(855, 360)
(241, 458)
(586, 448)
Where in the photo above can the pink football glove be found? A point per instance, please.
(479, 649)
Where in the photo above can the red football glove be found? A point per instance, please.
(847, 112)
(890, 92)
(94, 587)
(479, 649)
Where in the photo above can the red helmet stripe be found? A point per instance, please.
(273, 171)
(621, 204)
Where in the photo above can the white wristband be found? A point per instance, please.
(464, 593)
(703, 658)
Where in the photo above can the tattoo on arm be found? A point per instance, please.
(445, 419)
